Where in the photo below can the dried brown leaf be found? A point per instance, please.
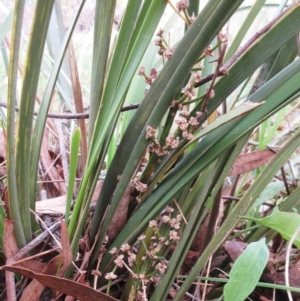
(65, 286)
(235, 248)
(120, 217)
(249, 161)
(58, 266)
(57, 206)
(9, 241)
(52, 206)
(78, 101)
(47, 163)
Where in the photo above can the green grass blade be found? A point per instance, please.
(114, 96)
(259, 284)
(11, 100)
(7, 23)
(55, 38)
(41, 118)
(75, 144)
(27, 102)
(103, 24)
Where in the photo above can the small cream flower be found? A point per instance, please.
(174, 235)
(150, 132)
(196, 76)
(208, 51)
(131, 259)
(166, 219)
(141, 71)
(161, 267)
(211, 94)
(160, 32)
(152, 224)
(125, 247)
(223, 37)
(113, 250)
(119, 261)
(168, 52)
(187, 135)
(158, 41)
(110, 276)
(199, 114)
(139, 186)
(182, 5)
(169, 209)
(185, 113)
(193, 121)
(174, 223)
(142, 237)
(170, 141)
(182, 123)
(189, 91)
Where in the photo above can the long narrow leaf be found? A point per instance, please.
(11, 100)
(27, 102)
(41, 118)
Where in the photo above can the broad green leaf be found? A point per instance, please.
(271, 190)
(246, 271)
(285, 223)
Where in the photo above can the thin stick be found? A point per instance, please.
(33, 257)
(215, 75)
(74, 116)
(207, 274)
(179, 209)
(35, 242)
(10, 286)
(287, 262)
(62, 146)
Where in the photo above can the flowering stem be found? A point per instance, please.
(110, 281)
(154, 159)
(131, 287)
(204, 55)
(194, 100)
(176, 10)
(187, 18)
(219, 64)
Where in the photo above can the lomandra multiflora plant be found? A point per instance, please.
(164, 188)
